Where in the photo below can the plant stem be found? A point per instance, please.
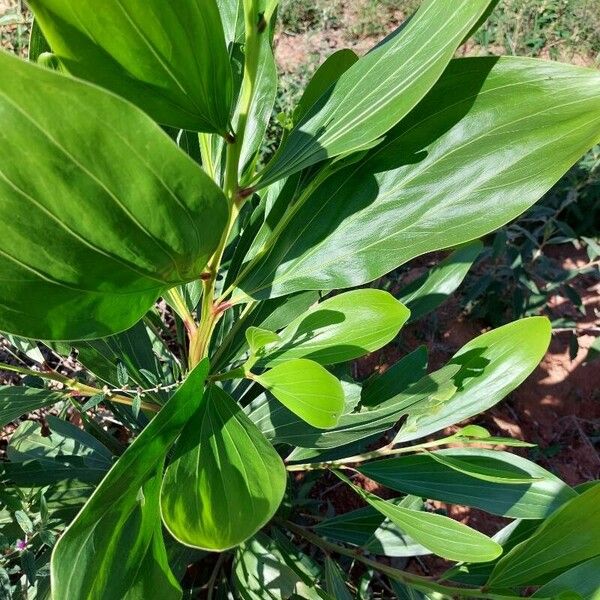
(177, 301)
(405, 577)
(388, 450)
(77, 386)
(212, 311)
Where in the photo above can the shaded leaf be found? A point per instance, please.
(16, 401)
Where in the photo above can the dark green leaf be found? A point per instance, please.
(335, 580)
(443, 177)
(115, 540)
(569, 536)
(426, 293)
(584, 579)
(16, 401)
(421, 475)
(169, 59)
(114, 238)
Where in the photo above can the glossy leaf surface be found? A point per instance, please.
(381, 88)
(341, 328)
(102, 551)
(225, 480)
(124, 213)
(307, 389)
(492, 365)
(469, 158)
(422, 475)
(583, 579)
(169, 59)
(442, 535)
(569, 536)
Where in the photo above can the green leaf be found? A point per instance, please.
(114, 540)
(324, 78)
(225, 481)
(462, 164)
(335, 581)
(341, 328)
(281, 425)
(422, 475)
(569, 536)
(443, 536)
(382, 387)
(584, 579)
(307, 389)
(115, 238)
(259, 338)
(15, 401)
(426, 293)
(492, 366)
(380, 89)
(170, 60)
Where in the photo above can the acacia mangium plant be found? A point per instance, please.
(131, 171)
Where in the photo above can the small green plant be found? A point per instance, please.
(202, 295)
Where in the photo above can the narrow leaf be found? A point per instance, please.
(442, 535)
(15, 401)
(105, 547)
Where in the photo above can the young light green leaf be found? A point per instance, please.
(426, 293)
(422, 475)
(380, 89)
(281, 425)
(567, 537)
(341, 328)
(159, 56)
(225, 480)
(492, 365)
(259, 338)
(307, 389)
(443, 177)
(442, 535)
(15, 401)
(115, 238)
(114, 540)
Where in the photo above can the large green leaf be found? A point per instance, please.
(225, 480)
(421, 475)
(427, 292)
(492, 366)
(569, 536)
(341, 328)
(168, 58)
(469, 158)
(442, 535)
(583, 579)
(125, 214)
(15, 401)
(380, 89)
(307, 389)
(104, 548)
